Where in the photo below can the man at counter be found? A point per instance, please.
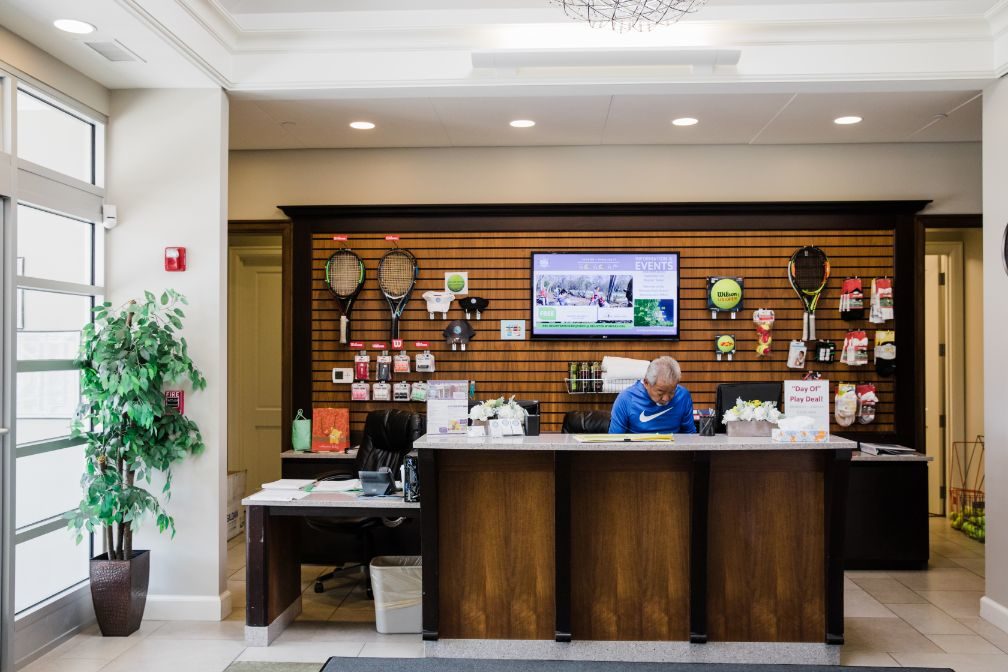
(658, 404)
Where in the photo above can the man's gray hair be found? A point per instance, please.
(663, 369)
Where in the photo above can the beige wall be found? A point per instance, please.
(947, 173)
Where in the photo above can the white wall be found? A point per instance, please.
(947, 173)
(167, 173)
(994, 606)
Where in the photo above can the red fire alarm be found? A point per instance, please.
(174, 258)
(175, 401)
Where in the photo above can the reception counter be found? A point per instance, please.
(704, 539)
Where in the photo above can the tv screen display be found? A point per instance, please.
(616, 295)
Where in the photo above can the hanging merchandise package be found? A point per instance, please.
(845, 404)
(301, 432)
(763, 319)
(796, 355)
(885, 352)
(881, 301)
(855, 348)
(852, 299)
(866, 401)
(384, 370)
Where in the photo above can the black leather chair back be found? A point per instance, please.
(727, 393)
(388, 435)
(586, 422)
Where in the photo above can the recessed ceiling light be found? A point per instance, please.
(522, 123)
(847, 121)
(74, 26)
(685, 121)
(362, 125)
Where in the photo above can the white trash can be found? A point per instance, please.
(397, 583)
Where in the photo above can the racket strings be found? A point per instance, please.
(344, 274)
(810, 273)
(395, 275)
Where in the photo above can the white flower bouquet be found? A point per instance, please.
(752, 410)
(497, 408)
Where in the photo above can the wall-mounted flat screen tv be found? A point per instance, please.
(614, 295)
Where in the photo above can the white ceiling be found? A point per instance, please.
(299, 70)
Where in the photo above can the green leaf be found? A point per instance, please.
(164, 298)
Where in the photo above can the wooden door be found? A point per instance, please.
(254, 362)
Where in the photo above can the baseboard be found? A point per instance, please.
(188, 607)
(994, 613)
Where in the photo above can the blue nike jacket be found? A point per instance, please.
(633, 412)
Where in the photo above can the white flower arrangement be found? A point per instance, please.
(498, 408)
(752, 410)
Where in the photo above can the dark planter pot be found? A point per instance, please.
(119, 592)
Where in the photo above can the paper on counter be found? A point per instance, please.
(277, 496)
(288, 484)
(338, 486)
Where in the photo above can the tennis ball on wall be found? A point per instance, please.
(455, 283)
(726, 293)
(726, 343)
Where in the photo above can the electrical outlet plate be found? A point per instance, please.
(341, 376)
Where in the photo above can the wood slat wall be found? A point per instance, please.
(498, 266)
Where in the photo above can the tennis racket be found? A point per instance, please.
(808, 271)
(397, 273)
(344, 276)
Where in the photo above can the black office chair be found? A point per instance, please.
(586, 422)
(728, 393)
(388, 436)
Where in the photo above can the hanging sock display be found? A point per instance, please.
(852, 299)
(845, 404)
(866, 402)
(881, 301)
(855, 348)
(885, 352)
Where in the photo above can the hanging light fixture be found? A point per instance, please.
(622, 15)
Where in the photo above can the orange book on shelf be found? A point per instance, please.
(330, 429)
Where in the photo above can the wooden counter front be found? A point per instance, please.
(673, 543)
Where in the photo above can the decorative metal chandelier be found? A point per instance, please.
(623, 15)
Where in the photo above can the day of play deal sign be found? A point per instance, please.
(809, 398)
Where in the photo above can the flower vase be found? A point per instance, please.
(749, 428)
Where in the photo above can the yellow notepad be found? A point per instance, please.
(617, 438)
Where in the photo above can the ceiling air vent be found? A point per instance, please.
(114, 51)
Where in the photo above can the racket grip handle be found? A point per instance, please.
(344, 327)
(811, 326)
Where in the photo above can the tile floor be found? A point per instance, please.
(922, 619)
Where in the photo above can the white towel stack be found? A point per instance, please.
(619, 373)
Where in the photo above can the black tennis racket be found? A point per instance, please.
(344, 276)
(808, 271)
(397, 273)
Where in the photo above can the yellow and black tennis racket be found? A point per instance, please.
(808, 271)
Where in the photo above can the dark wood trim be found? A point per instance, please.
(562, 542)
(301, 331)
(700, 499)
(429, 542)
(908, 300)
(602, 216)
(963, 221)
(284, 229)
(256, 567)
(835, 511)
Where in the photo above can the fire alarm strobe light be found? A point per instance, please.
(174, 259)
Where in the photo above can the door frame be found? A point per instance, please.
(285, 229)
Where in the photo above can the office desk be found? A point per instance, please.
(300, 464)
(272, 562)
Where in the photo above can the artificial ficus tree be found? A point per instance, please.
(127, 357)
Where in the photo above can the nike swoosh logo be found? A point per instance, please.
(649, 418)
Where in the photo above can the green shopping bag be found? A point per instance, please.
(301, 432)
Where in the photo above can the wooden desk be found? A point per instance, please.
(704, 539)
(272, 562)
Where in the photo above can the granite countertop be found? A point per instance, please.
(334, 455)
(682, 442)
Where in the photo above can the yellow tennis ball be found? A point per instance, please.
(455, 283)
(725, 343)
(726, 293)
